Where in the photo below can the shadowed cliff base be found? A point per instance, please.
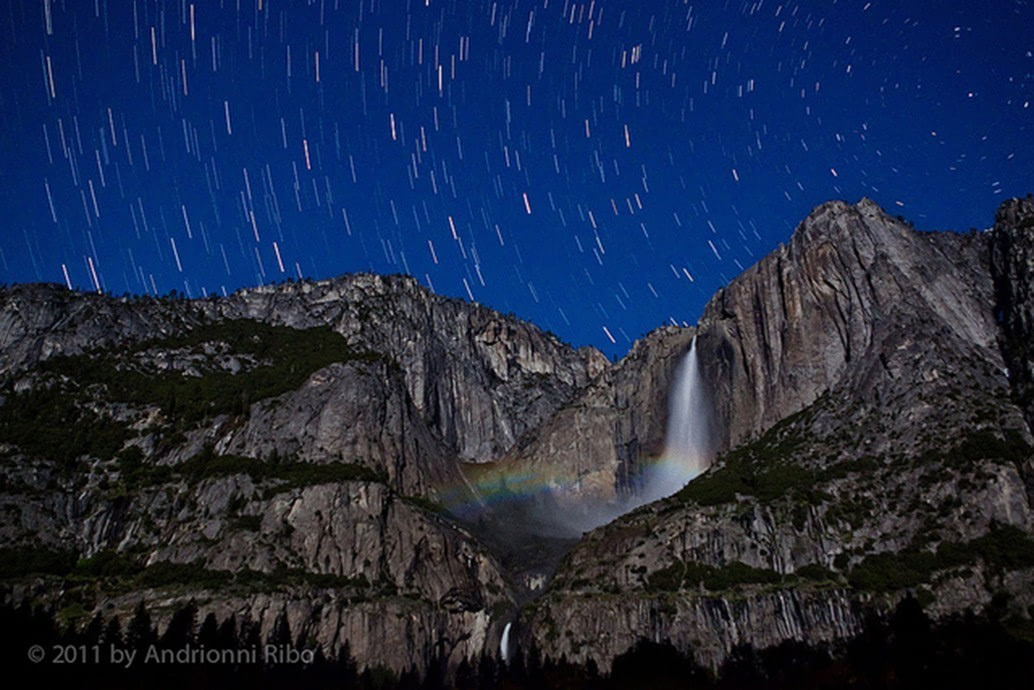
(904, 650)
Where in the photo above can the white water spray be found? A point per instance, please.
(504, 644)
(687, 439)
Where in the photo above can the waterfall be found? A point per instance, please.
(504, 644)
(687, 438)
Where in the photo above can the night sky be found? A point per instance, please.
(599, 167)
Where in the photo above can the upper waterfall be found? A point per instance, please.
(687, 443)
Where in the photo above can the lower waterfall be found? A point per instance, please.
(504, 644)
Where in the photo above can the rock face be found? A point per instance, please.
(343, 562)
(601, 438)
(710, 626)
(791, 327)
(858, 379)
(480, 379)
(40, 321)
(1012, 266)
(281, 455)
(775, 339)
(309, 495)
(347, 412)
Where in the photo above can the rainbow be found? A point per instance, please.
(483, 487)
(486, 487)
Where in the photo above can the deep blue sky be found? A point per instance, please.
(211, 145)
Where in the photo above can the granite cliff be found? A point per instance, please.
(284, 454)
(275, 455)
(869, 388)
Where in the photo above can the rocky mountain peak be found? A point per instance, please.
(1017, 213)
(784, 331)
(838, 221)
(372, 283)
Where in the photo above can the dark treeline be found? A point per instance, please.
(904, 650)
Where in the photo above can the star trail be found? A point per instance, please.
(599, 167)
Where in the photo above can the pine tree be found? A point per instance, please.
(488, 671)
(180, 632)
(434, 678)
(91, 634)
(346, 666)
(227, 637)
(112, 633)
(208, 634)
(280, 635)
(139, 633)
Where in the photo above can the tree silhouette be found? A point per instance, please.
(139, 633)
(904, 650)
(180, 631)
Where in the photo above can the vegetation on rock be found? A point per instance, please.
(683, 574)
(286, 356)
(1003, 548)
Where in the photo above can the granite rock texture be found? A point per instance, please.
(870, 394)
